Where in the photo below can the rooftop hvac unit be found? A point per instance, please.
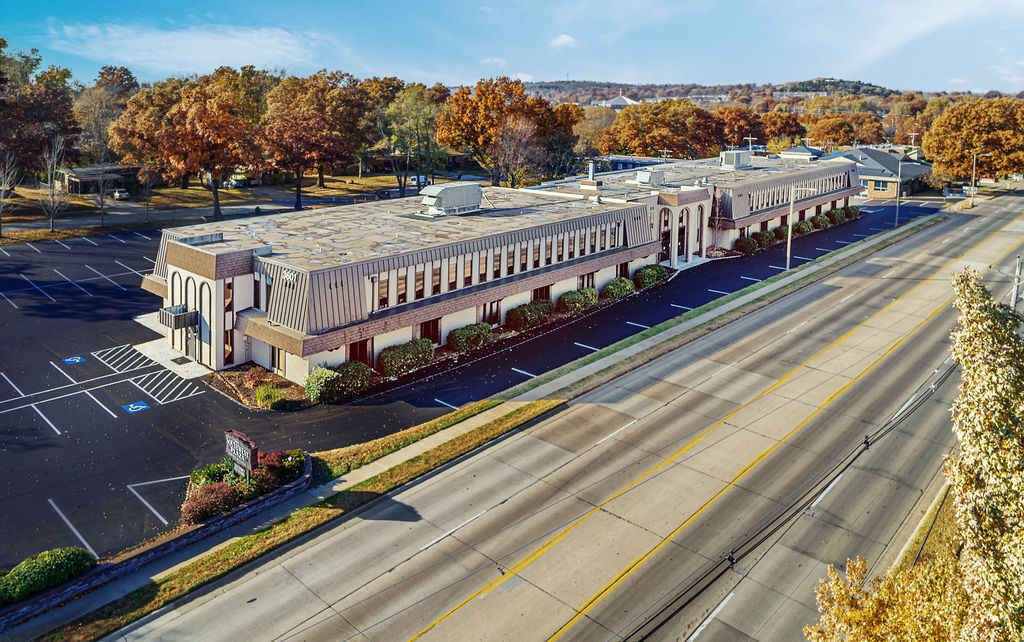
(650, 177)
(735, 159)
(451, 199)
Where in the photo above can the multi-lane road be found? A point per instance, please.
(800, 435)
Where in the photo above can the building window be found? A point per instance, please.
(382, 293)
(435, 280)
(522, 259)
(764, 226)
(882, 185)
(784, 220)
(492, 312)
(536, 255)
(256, 287)
(561, 250)
(483, 268)
(604, 237)
(542, 293)
(623, 270)
(511, 265)
(277, 360)
(547, 253)
(431, 330)
(453, 268)
(361, 351)
(229, 347)
(585, 280)
(467, 272)
(611, 236)
(270, 283)
(420, 285)
(401, 289)
(229, 299)
(496, 262)
(863, 182)
(593, 241)
(572, 246)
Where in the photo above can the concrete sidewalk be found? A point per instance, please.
(158, 569)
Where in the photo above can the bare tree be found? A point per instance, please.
(515, 153)
(8, 176)
(54, 197)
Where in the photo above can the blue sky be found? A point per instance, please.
(952, 45)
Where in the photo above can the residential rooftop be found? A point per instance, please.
(328, 237)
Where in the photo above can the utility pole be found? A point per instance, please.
(807, 141)
(974, 166)
(1016, 286)
(789, 228)
(899, 188)
(913, 138)
(750, 142)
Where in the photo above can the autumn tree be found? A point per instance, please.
(778, 125)
(514, 151)
(590, 130)
(867, 129)
(439, 94)
(96, 109)
(18, 67)
(8, 181)
(295, 140)
(248, 86)
(53, 197)
(678, 126)
(987, 476)
(207, 134)
(738, 123)
(831, 131)
(557, 138)
(906, 127)
(138, 135)
(977, 126)
(119, 81)
(32, 115)
(409, 132)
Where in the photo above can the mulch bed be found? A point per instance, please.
(232, 382)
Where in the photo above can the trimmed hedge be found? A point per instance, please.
(781, 232)
(649, 276)
(803, 227)
(617, 288)
(836, 216)
(322, 385)
(529, 315)
(42, 571)
(764, 239)
(355, 376)
(470, 337)
(820, 222)
(852, 211)
(746, 245)
(576, 300)
(398, 360)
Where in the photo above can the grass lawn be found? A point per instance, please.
(24, 206)
(346, 185)
(164, 198)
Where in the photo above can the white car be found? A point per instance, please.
(121, 195)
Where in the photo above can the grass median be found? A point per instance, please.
(182, 581)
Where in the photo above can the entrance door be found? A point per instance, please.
(190, 343)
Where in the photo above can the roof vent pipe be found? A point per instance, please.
(590, 170)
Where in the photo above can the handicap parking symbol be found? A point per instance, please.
(73, 360)
(138, 406)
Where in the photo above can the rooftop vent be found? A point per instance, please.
(735, 159)
(650, 177)
(451, 199)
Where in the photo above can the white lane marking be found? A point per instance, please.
(428, 545)
(4, 251)
(73, 529)
(148, 239)
(583, 345)
(148, 505)
(639, 325)
(446, 404)
(57, 241)
(70, 394)
(886, 276)
(16, 388)
(776, 267)
(109, 411)
(532, 376)
(825, 492)
(48, 422)
(128, 268)
(117, 239)
(38, 288)
(903, 407)
(107, 278)
(718, 292)
(750, 278)
(150, 260)
(845, 298)
(33, 247)
(616, 432)
(724, 368)
(70, 378)
(86, 238)
(8, 300)
(802, 258)
(710, 617)
(681, 307)
(794, 328)
(71, 282)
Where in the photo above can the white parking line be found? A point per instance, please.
(70, 378)
(750, 278)
(142, 235)
(8, 300)
(718, 292)
(57, 241)
(844, 242)
(16, 388)
(532, 376)
(145, 391)
(73, 529)
(616, 432)
(86, 238)
(48, 422)
(639, 325)
(148, 505)
(681, 307)
(863, 236)
(128, 268)
(33, 247)
(4, 251)
(109, 411)
(444, 403)
(821, 249)
(107, 278)
(877, 229)
(150, 260)
(38, 288)
(117, 239)
(160, 481)
(802, 258)
(71, 282)
(707, 621)
(776, 267)
(583, 345)
(845, 298)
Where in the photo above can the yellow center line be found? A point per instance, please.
(670, 459)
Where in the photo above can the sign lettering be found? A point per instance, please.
(241, 450)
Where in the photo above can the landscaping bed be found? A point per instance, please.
(254, 386)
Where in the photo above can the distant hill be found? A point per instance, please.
(834, 85)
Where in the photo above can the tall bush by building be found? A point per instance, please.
(820, 222)
(764, 239)
(470, 337)
(323, 385)
(745, 245)
(576, 300)
(617, 288)
(529, 315)
(650, 275)
(836, 216)
(803, 227)
(355, 376)
(398, 360)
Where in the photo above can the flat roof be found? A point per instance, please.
(329, 237)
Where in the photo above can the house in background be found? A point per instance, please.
(881, 172)
(802, 153)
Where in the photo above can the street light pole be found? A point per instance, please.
(974, 166)
(789, 228)
(899, 188)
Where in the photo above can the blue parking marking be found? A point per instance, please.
(138, 406)
(73, 360)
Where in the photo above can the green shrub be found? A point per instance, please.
(323, 385)
(617, 288)
(764, 239)
(270, 396)
(470, 337)
(803, 227)
(577, 300)
(211, 474)
(836, 216)
(852, 211)
(649, 276)
(257, 210)
(354, 377)
(398, 360)
(820, 222)
(746, 245)
(529, 315)
(42, 571)
(781, 232)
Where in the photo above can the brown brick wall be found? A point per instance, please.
(192, 260)
(234, 264)
(155, 285)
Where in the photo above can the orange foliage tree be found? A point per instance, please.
(685, 130)
(979, 126)
(780, 124)
(295, 140)
(831, 131)
(738, 123)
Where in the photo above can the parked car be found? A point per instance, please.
(121, 195)
(233, 184)
(418, 181)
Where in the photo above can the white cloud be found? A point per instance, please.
(563, 40)
(498, 62)
(194, 49)
(523, 76)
